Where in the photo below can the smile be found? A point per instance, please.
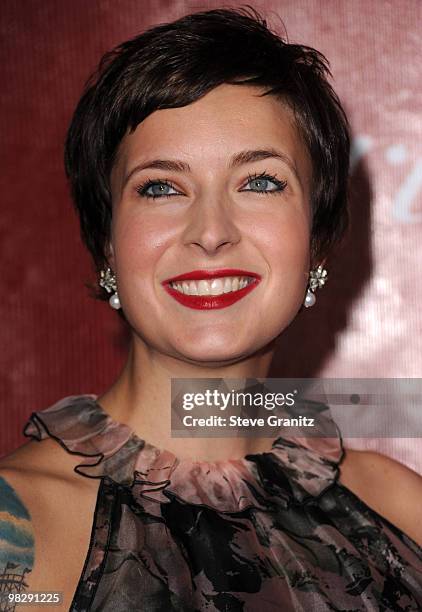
(205, 289)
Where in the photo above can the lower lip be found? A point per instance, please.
(211, 302)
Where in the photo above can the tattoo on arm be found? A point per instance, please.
(16, 545)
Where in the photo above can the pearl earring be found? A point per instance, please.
(316, 281)
(108, 282)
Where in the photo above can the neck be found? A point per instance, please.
(141, 398)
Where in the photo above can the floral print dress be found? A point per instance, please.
(272, 531)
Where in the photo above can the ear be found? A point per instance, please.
(109, 253)
(318, 262)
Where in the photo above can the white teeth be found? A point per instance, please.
(215, 286)
(204, 287)
(193, 289)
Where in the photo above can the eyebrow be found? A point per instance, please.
(238, 159)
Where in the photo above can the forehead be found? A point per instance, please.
(207, 132)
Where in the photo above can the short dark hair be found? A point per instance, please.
(174, 64)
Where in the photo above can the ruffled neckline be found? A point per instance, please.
(296, 470)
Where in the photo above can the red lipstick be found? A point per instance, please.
(208, 302)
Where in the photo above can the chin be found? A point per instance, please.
(212, 361)
(203, 354)
(219, 352)
(208, 346)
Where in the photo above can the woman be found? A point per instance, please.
(207, 148)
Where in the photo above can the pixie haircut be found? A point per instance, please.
(174, 64)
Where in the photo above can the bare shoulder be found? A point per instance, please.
(46, 456)
(46, 513)
(387, 486)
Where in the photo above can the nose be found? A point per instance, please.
(211, 225)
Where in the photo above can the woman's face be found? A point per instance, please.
(236, 196)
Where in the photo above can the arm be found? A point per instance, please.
(59, 506)
(17, 542)
(388, 487)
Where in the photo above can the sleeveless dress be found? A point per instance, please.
(273, 531)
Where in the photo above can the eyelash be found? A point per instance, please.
(281, 185)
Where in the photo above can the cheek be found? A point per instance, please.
(139, 243)
(286, 241)
(287, 254)
(285, 244)
(141, 248)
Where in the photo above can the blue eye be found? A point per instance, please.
(261, 182)
(156, 189)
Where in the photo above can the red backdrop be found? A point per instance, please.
(57, 341)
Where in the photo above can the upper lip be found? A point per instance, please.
(205, 274)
